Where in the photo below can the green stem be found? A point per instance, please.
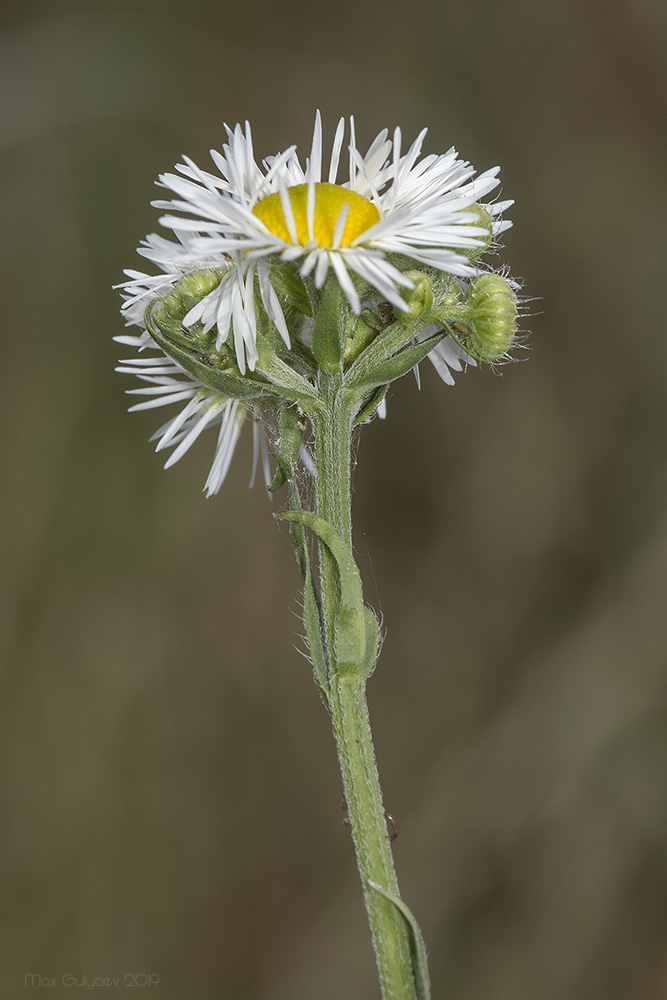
(332, 424)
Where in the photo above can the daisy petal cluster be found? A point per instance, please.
(253, 248)
(165, 383)
(246, 217)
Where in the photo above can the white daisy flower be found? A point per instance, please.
(164, 382)
(247, 217)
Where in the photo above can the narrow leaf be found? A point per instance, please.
(350, 621)
(284, 380)
(329, 329)
(417, 946)
(372, 631)
(312, 611)
(392, 339)
(232, 385)
(312, 619)
(394, 367)
(278, 480)
(291, 431)
(290, 288)
(370, 405)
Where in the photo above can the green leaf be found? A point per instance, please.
(370, 405)
(330, 327)
(372, 645)
(312, 610)
(173, 331)
(290, 288)
(228, 383)
(417, 946)
(391, 340)
(300, 354)
(278, 480)
(312, 619)
(351, 625)
(291, 431)
(392, 368)
(284, 380)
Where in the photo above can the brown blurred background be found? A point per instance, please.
(171, 795)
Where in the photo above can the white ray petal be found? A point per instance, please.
(339, 228)
(335, 151)
(321, 269)
(345, 282)
(288, 211)
(315, 162)
(204, 419)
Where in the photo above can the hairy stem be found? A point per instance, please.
(333, 429)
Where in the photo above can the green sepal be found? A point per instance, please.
(190, 289)
(227, 382)
(489, 330)
(485, 221)
(330, 327)
(392, 368)
(416, 941)
(350, 628)
(370, 405)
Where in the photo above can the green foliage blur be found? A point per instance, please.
(171, 800)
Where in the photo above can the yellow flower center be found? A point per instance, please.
(329, 200)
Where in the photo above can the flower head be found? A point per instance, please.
(279, 271)
(245, 219)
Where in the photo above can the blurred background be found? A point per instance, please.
(172, 805)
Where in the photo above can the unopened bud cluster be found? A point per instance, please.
(480, 315)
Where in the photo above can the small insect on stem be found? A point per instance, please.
(460, 328)
(392, 825)
(385, 313)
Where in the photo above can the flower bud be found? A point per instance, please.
(419, 298)
(360, 335)
(190, 290)
(480, 216)
(489, 327)
(168, 313)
